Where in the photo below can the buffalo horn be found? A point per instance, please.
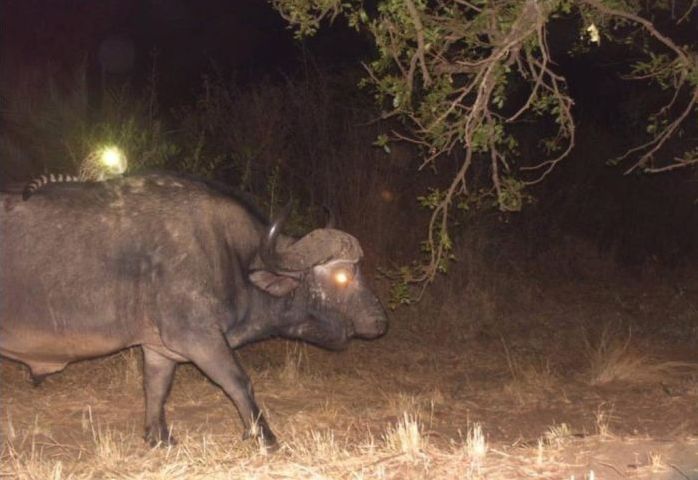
(267, 250)
(331, 220)
(317, 247)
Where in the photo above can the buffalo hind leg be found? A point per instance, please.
(221, 365)
(158, 371)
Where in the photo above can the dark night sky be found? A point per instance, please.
(247, 37)
(191, 37)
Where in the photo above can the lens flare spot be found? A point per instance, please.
(113, 159)
(387, 195)
(341, 277)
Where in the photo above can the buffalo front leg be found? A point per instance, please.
(221, 365)
(158, 371)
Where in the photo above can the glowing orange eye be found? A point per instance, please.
(341, 277)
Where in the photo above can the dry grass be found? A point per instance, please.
(603, 420)
(295, 366)
(530, 378)
(316, 454)
(406, 437)
(401, 453)
(557, 435)
(475, 443)
(613, 358)
(347, 431)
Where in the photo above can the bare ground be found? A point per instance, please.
(553, 392)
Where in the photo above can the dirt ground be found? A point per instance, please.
(555, 394)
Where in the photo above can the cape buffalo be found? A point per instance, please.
(179, 267)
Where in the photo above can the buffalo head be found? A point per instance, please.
(327, 301)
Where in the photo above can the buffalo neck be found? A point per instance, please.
(265, 316)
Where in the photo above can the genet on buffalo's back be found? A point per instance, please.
(178, 267)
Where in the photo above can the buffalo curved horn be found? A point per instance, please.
(331, 220)
(319, 246)
(267, 250)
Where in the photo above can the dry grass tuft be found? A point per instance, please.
(295, 363)
(475, 443)
(540, 452)
(406, 436)
(325, 444)
(557, 435)
(613, 359)
(656, 462)
(530, 378)
(553, 441)
(603, 419)
(28, 466)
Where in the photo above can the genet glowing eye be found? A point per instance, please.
(113, 160)
(341, 277)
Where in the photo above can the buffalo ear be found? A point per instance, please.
(272, 283)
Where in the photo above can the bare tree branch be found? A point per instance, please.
(426, 78)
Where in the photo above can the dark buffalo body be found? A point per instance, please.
(178, 267)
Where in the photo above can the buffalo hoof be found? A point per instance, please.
(265, 437)
(160, 437)
(271, 445)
